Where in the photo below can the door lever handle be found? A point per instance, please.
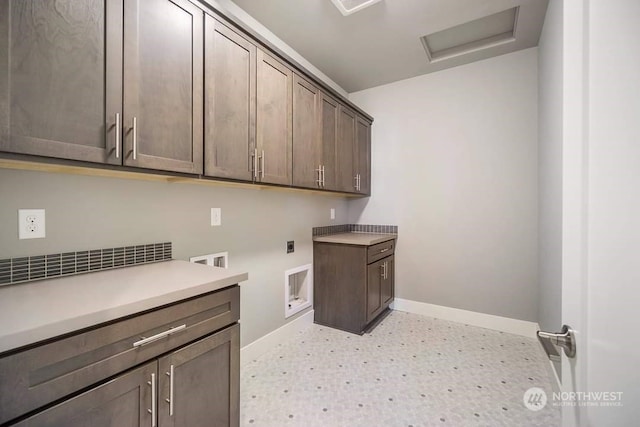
(564, 339)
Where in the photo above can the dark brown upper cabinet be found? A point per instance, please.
(111, 81)
(61, 78)
(163, 85)
(329, 114)
(345, 175)
(362, 156)
(229, 103)
(307, 146)
(273, 154)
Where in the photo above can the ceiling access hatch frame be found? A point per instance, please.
(483, 33)
(347, 7)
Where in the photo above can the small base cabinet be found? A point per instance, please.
(178, 365)
(353, 284)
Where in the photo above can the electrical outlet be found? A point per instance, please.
(290, 246)
(31, 224)
(216, 217)
(332, 213)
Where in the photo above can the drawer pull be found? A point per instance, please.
(156, 337)
(384, 250)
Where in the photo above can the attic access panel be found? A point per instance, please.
(347, 7)
(489, 31)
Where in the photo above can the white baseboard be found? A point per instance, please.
(273, 339)
(489, 321)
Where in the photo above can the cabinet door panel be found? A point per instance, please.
(387, 288)
(230, 102)
(274, 111)
(345, 175)
(374, 286)
(329, 109)
(362, 156)
(163, 74)
(60, 78)
(206, 376)
(307, 148)
(121, 402)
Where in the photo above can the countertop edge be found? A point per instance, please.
(347, 239)
(29, 337)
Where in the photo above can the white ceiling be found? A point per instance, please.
(381, 44)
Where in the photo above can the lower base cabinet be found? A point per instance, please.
(352, 284)
(174, 366)
(196, 385)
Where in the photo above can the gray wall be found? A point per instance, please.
(454, 162)
(89, 212)
(550, 152)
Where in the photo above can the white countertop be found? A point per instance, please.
(361, 239)
(32, 312)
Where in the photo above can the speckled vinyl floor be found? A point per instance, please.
(411, 370)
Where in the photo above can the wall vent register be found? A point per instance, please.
(32, 268)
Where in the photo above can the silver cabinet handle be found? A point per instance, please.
(170, 399)
(262, 169)
(384, 250)
(118, 130)
(382, 267)
(564, 339)
(323, 175)
(259, 164)
(135, 138)
(153, 410)
(319, 180)
(254, 161)
(156, 337)
(356, 180)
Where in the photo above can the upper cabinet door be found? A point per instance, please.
(61, 78)
(229, 103)
(345, 175)
(163, 85)
(329, 109)
(362, 155)
(307, 147)
(274, 111)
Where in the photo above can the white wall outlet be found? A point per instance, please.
(332, 213)
(216, 217)
(31, 224)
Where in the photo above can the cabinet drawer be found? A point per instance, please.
(381, 250)
(35, 377)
